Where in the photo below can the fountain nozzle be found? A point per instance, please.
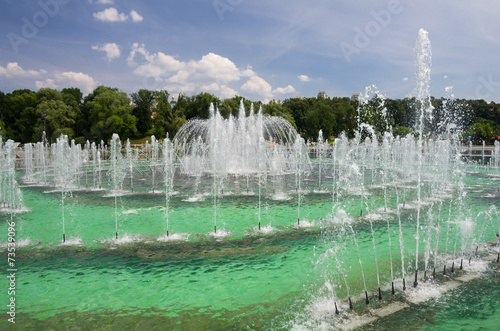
(367, 301)
(336, 309)
(379, 294)
(350, 303)
(415, 283)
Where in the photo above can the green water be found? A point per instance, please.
(248, 279)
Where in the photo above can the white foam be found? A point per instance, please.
(130, 212)
(173, 237)
(73, 241)
(220, 234)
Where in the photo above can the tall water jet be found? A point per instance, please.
(117, 173)
(63, 173)
(169, 171)
(131, 159)
(11, 198)
(423, 61)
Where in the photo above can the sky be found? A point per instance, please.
(259, 49)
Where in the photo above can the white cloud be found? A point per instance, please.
(285, 90)
(258, 86)
(405, 79)
(222, 90)
(69, 79)
(112, 15)
(445, 76)
(46, 83)
(304, 78)
(112, 50)
(212, 73)
(135, 16)
(14, 70)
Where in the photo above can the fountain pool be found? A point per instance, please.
(181, 236)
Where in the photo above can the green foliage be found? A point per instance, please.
(479, 131)
(401, 131)
(143, 109)
(59, 118)
(109, 111)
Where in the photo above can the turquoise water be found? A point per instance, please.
(244, 278)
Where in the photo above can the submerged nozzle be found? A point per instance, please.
(259, 226)
(64, 238)
(336, 309)
(444, 270)
(461, 263)
(404, 285)
(453, 267)
(215, 228)
(392, 288)
(379, 294)
(498, 257)
(415, 283)
(425, 275)
(434, 273)
(116, 235)
(350, 303)
(367, 301)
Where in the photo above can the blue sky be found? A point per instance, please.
(261, 50)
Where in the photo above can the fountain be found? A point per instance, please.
(351, 221)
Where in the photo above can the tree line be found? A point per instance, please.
(25, 114)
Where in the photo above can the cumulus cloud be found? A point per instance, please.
(285, 90)
(13, 69)
(212, 73)
(112, 15)
(69, 79)
(258, 86)
(112, 50)
(405, 79)
(135, 16)
(304, 78)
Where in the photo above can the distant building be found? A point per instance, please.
(322, 94)
(355, 97)
(173, 102)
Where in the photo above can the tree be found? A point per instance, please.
(298, 108)
(109, 111)
(167, 119)
(275, 108)
(199, 105)
(19, 115)
(72, 97)
(320, 118)
(59, 119)
(143, 104)
(480, 131)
